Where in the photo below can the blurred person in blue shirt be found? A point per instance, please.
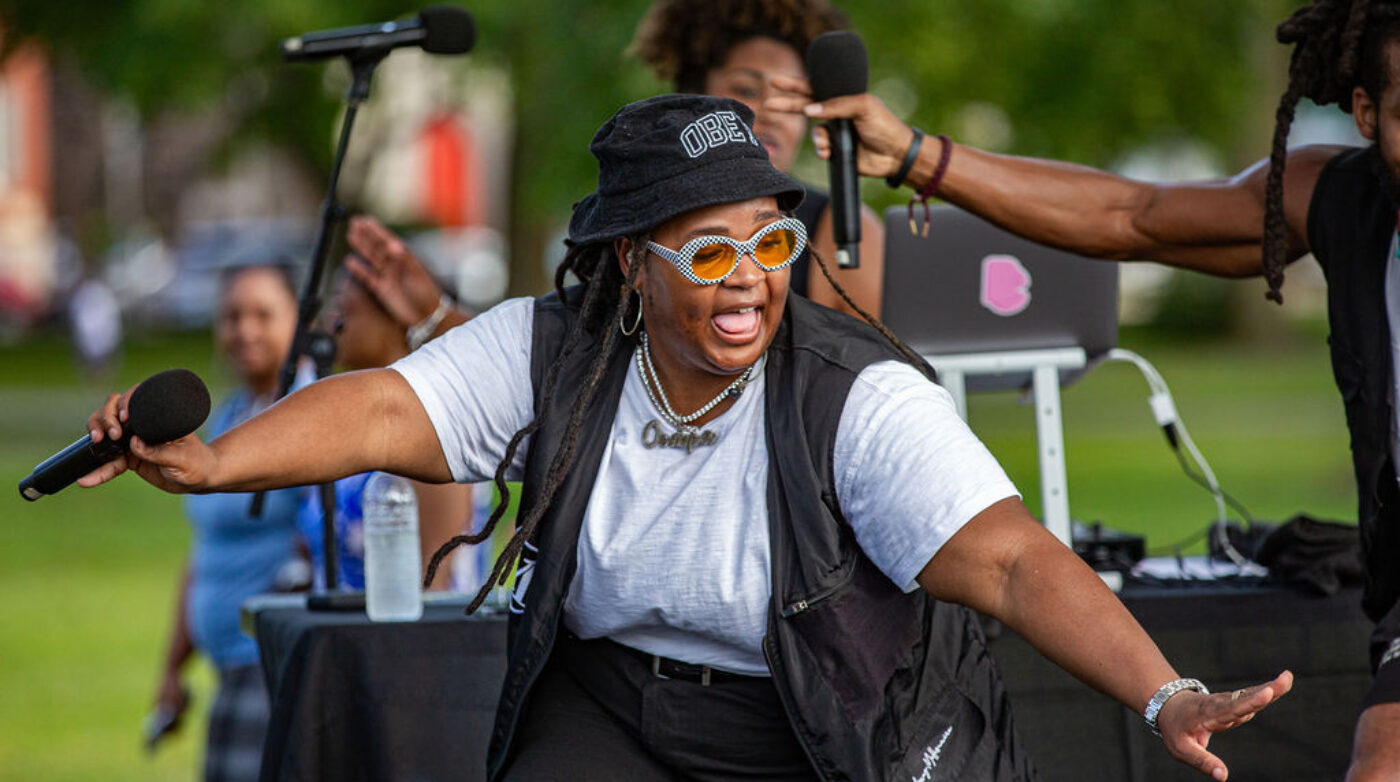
(235, 555)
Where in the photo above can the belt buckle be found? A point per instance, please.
(656, 671)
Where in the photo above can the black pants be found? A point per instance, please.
(598, 713)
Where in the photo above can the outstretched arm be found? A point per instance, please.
(1007, 565)
(343, 425)
(171, 695)
(1211, 226)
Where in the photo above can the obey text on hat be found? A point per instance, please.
(715, 130)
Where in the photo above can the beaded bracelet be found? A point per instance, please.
(931, 189)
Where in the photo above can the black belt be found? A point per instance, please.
(667, 668)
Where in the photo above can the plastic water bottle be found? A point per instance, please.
(393, 560)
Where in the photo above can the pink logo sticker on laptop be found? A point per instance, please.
(1006, 285)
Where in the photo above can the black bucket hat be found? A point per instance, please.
(664, 156)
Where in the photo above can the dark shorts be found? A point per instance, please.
(1385, 660)
(599, 713)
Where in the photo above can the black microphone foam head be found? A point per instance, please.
(447, 30)
(837, 65)
(167, 406)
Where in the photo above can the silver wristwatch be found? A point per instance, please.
(1163, 694)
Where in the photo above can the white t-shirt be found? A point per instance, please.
(673, 558)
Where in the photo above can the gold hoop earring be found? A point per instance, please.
(636, 324)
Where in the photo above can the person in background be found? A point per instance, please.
(388, 269)
(96, 319)
(733, 49)
(726, 48)
(234, 555)
(366, 337)
(1337, 203)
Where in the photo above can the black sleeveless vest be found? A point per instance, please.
(878, 684)
(1350, 225)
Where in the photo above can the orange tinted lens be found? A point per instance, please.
(712, 261)
(775, 247)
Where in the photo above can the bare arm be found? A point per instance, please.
(443, 510)
(1375, 755)
(1213, 226)
(170, 694)
(343, 425)
(1005, 564)
(864, 283)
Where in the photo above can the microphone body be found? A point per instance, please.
(166, 406)
(70, 464)
(837, 65)
(845, 192)
(440, 29)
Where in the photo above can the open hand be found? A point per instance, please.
(397, 278)
(1188, 719)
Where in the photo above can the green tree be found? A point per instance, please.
(1084, 80)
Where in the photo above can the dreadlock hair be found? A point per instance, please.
(682, 40)
(605, 305)
(904, 350)
(1338, 45)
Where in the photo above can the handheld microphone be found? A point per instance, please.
(836, 66)
(166, 406)
(440, 29)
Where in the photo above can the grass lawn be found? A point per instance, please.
(86, 577)
(86, 585)
(1269, 422)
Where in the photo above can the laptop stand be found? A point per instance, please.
(1043, 367)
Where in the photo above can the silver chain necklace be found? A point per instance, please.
(686, 436)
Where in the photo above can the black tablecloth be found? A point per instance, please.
(1228, 637)
(414, 701)
(360, 700)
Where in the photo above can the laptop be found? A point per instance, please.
(971, 287)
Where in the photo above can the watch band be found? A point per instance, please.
(1163, 694)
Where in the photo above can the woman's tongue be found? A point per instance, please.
(741, 322)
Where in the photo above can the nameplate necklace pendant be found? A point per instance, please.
(685, 436)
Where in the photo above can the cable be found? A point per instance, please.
(1235, 504)
(1165, 412)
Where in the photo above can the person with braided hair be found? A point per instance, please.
(753, 533)
(1338, 203)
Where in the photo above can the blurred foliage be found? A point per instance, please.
(1194, 307)
(1084, 80)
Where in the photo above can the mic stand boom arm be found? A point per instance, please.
(314, 344)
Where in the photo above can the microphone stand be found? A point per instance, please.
(319, 345)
